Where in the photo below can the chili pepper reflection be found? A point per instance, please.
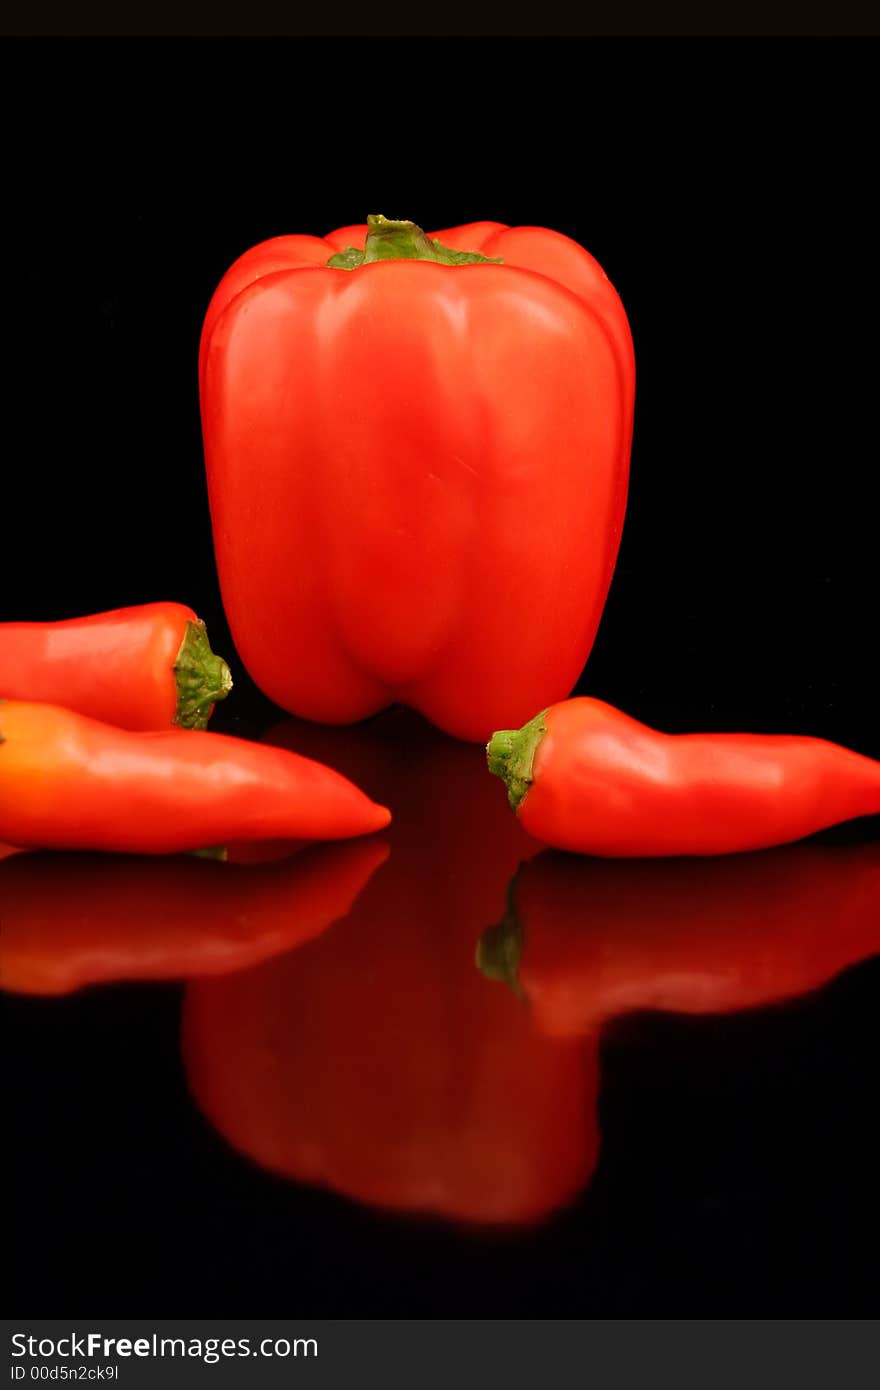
(587, 939)
(375, 1061)
(68, 920)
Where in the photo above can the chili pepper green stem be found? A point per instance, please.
(388, 240)
(201, 678)
(511, 754)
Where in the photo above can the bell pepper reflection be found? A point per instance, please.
(376, 1061)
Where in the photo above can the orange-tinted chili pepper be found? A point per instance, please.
(582, 776)
(140, 668)
(376, 1061)
(586, 940)
(69, 920)
(68, 782)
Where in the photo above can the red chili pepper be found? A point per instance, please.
(139, 668)
(584, 777)
(83, 919)
(376, 1061)
(68, 782)
(406, 443)
(586, 940)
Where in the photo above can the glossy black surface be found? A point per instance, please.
(725, 189)
(367, 1125)
(738, 1176)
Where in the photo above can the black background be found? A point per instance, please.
(724, 186)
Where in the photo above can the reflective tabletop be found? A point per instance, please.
(443, 1071)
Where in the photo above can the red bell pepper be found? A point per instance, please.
(584, 777)
(375, 1060)
(586, 940)
(417, 458)
(68, 782)
(139, 668)
(70, 920)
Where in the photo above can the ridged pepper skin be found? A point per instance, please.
(586, 777)
(68, 782)
(417, 471)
